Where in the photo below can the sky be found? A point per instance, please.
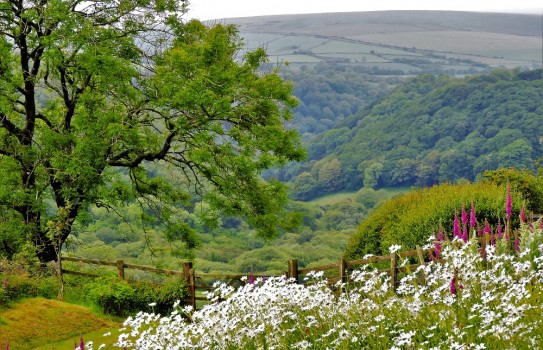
(218, 9)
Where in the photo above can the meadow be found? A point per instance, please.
(481, 40)
(481, 290)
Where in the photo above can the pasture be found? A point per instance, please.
(432, 40)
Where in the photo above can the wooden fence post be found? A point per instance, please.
(342, 274)
(343, 270)
(293, 269)
(420, 254)
(186, 271)
(187, 266)
(192, 288)
(393, 271)
(120, 269)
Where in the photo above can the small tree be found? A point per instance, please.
(91, 92)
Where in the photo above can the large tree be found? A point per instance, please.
(93, 91)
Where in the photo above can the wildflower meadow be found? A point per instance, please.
(472, 295)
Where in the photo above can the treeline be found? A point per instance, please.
(429, 130)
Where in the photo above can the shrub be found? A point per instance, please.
(121, 298)
(411, 218)
(19, 281)
(113, 296)
(523, 181)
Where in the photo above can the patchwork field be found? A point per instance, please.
(412, 41)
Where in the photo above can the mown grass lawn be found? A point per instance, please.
(51, 324)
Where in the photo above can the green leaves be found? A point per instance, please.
(93, 96)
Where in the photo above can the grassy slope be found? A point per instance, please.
(46, 324)
(507, 40)
(340, 196)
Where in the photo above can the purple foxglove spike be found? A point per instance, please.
(252, 278)
(440, 234)
(522, 216)
(437, 250)
(508, 204)
(487, 228)
(453, 285)
(464, 216)
(456, 227)
(465, 236)
(517, 244)
(81, 343)
(7, 345)
(472, 218)
(479, 231)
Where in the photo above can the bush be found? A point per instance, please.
(523, 181)
(121, 298)
(19, 281)
(411, 218)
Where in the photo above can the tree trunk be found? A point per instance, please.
(45, 248)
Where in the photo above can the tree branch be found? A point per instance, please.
(46, 121)
(161, 154)
(10, 127)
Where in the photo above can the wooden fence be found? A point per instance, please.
(203, 281)
(333, 272)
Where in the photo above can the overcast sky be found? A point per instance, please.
(217, 9)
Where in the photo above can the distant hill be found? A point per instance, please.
(430, 129)
(410, 41)
(343, 62)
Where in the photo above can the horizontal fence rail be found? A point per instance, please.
(334, 272)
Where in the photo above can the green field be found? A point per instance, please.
(488, 39)
(50, 324)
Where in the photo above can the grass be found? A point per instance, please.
(341, 196)
(494, 39)
(333, 198)
(45, 324)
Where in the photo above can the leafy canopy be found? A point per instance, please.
(93, 92)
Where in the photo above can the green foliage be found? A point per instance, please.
(121, 298)
(523, 181)
(429, 130)
(19, 281)
(412, 218)
(108, 98)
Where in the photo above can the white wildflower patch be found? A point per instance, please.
(394, 248)
(495, 303)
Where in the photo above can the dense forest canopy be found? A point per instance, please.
(429, 130)
(92, 93)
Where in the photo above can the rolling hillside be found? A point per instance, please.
(429, 130)
(407, 41)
